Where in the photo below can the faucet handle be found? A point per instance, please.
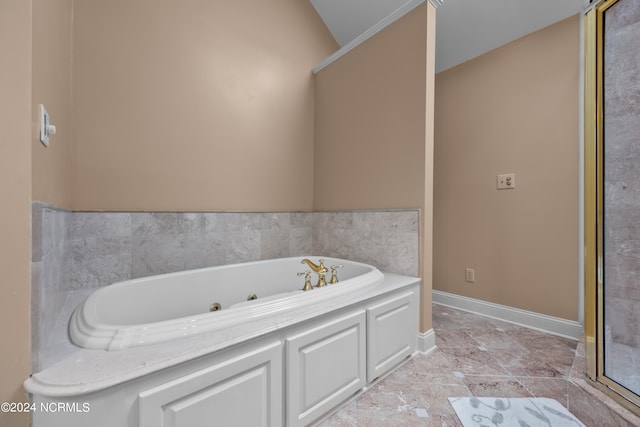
(307, 280)
(334, 273)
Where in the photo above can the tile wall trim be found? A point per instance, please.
(541, 322)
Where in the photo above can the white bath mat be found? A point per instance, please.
(512, 412)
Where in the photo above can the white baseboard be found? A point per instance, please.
(426, 341)
(541, 322)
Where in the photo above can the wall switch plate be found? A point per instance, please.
(506, 181)
(469, 275)
(46, 128)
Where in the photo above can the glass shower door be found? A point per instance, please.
(621, 192)
(612, 198)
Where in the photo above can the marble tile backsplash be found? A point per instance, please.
(76, 252)
(49, 287)
(99, 249)
(386, 239)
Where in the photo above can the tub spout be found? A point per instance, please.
(320, 269)
(315, 267)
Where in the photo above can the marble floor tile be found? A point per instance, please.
(474, 361)
(495, 338)
(444, 421)
(389, 398)
(434, 397)
(525, 365)
(495, 386)
(345, 417)
(454, 338)
(390, 419)
(483, 357)
(591, 411)
(560, 361)
(449, 318)
(535, 340)
(580, 348)
(579, 368)
(553, 388)
(435, 362)
(403, 377)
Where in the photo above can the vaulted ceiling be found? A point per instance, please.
(464, 28)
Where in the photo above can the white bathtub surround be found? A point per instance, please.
(295, 364)
(59, 345)
(94, 249)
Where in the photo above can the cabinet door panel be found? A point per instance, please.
(239, 401)
(326, 365)
(391, 333)
(244, 390)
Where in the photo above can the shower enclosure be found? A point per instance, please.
(612, 198)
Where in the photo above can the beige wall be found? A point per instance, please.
(15, 188)
(195, 105)
(373, 144)
(52, 168)
(514, 109)
(370, 122)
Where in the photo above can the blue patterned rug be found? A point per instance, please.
(512, 412)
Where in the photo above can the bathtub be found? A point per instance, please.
(294, 355)
(165, 307)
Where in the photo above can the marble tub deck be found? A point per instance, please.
(479, 356)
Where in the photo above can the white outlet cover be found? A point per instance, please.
(469, 275)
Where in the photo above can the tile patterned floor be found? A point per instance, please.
(478, 356)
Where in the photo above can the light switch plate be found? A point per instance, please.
(45, 123)
(506, 181)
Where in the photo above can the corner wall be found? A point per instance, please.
(514, 109)
(370, 115)
(52, 59)
(196, 105)
(373, 137)
(15, 188)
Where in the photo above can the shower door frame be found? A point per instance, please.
(594, 208)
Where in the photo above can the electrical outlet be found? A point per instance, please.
(506, 181)
(469, 275)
